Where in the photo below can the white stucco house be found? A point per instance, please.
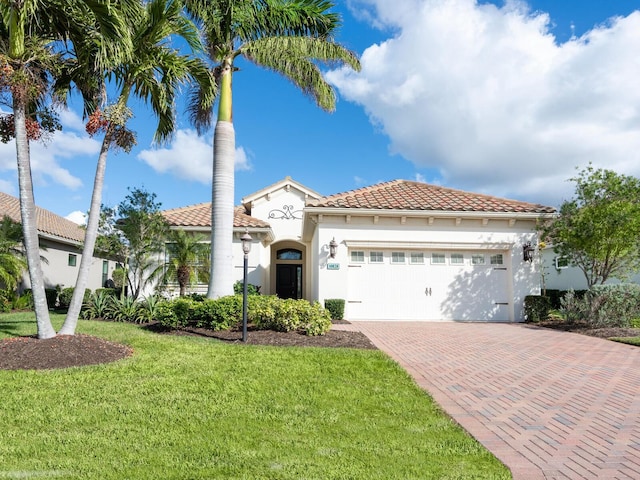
(403, 250)
(61, 242)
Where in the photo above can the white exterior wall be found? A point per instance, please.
(56, 269)
(442, 235)
(570, 277)
(258, 262)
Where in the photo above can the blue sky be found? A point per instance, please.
(502, 98)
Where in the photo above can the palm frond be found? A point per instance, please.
(296, 57)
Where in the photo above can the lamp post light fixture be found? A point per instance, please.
(246, 248)
(333, 248)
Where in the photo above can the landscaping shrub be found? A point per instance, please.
(536, 308)
(238, 288)
(24, 301)
(262, 310)
(111, 292)
(52, 296)
(123, 309)
(6, 300)
(64, 297)
(149, 308)
(316, 320)
(604, 305)
(97, 305)
(335, 306)
(220, 314)
(166, 316)
(556, 296)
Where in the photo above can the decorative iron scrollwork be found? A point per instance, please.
(287, 213)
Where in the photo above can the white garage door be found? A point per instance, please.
(393, 285)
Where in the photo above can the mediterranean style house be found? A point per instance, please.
(398, 250)
(61, 242)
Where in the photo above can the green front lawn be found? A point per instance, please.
(191, 408)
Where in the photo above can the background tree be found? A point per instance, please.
(143, 232)
(185, 252)
(289, 37)
(153, 73)
(37, 39)
(598, 230)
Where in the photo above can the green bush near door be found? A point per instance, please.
(335, 306)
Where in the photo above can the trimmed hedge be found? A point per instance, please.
(264, 312)
(536, 308)
(335, 306)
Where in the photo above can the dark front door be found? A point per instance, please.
(289, 281)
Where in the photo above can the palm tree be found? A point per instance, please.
(37, 38)
(12, 262)
(154, 73)
(286, 36)
(184, 251)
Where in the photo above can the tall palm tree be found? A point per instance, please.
(184, 251)
(153, 73)
(37, 38)
(12, 262)
(289, 37)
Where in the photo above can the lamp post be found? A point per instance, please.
(246, 248)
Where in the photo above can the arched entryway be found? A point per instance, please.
(288, 259)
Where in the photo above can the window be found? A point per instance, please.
(397, 257)
(457, 259)
(496, 259)
(438, 259)
(375, 257)
(416, 258)
(289, 254)
(72, 260)
(561, 263)
(105, 272)
(357, 257)
(477, 259)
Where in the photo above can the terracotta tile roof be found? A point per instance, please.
(48, 222)
(200, 216)
(407, 195)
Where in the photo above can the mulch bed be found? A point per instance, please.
(63, 351)
(584, 329)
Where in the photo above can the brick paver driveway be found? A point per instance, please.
(548, 404)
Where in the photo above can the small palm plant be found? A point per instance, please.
(186, 253)
(12, 261)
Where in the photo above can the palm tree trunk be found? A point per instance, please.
(90, 236)
(224, 148)
(29, 222)
(221, 279)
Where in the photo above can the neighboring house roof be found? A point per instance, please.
(200, 216)
(48, 222)
(408, 195)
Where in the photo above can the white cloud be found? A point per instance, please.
(78, 217)
(46, 157)
(420, 178)
(488, 96)
(189, 157)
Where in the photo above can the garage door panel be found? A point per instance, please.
(428, 292)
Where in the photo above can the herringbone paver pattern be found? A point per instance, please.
(549, 404)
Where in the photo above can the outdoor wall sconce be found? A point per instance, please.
(333, 248)
(527, 252)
